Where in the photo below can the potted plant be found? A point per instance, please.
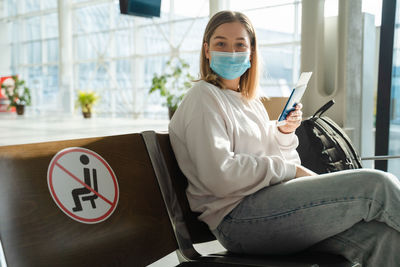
(18, 94)
(173, 84)
(86, 100)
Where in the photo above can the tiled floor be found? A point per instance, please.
(204, 248)
(34, 128)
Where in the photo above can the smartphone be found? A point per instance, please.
(296, 95)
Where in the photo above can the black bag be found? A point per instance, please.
(323, 146)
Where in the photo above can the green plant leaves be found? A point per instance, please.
(86, 100)
(174, 83)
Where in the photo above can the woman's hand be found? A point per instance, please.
(293, 120)
(302, 171)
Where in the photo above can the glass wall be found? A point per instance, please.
(117, 55)
(278, 28)
(33, 39)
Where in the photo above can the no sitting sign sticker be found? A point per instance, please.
(83, 185)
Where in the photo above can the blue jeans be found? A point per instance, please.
(352, 213)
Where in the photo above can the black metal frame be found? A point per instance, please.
(384, 82)
(188, 255)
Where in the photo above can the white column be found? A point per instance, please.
(312, 42)
(218, 5)
(66, 77)
(333, 48)
(137, 69)
(5, 47)
(368, 87)
(350, 63)
(112, 65)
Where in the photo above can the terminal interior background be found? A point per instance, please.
(60, 47)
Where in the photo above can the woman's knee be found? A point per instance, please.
(376, 177)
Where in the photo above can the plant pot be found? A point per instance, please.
(87, 115)
(171, 112)
(20, 109)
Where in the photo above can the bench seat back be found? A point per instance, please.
(35, 232)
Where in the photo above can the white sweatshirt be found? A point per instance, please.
(228, 148)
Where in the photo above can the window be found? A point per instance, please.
(33, 38)
(117, 55)
(278, 28)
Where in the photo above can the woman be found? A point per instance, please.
(244, 174)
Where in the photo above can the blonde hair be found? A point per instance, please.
(249, 80)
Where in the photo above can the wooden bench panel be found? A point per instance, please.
(35, 232)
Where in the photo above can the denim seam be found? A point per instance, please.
(352, 245)
(287, 213)
(222, 233)
(226, 237)
(348, 242)
(311, 205)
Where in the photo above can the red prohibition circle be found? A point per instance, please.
(57, 200)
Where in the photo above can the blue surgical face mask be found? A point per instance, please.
(230, 65)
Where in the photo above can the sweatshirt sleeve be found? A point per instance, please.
(222, 172)
(287, 144)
